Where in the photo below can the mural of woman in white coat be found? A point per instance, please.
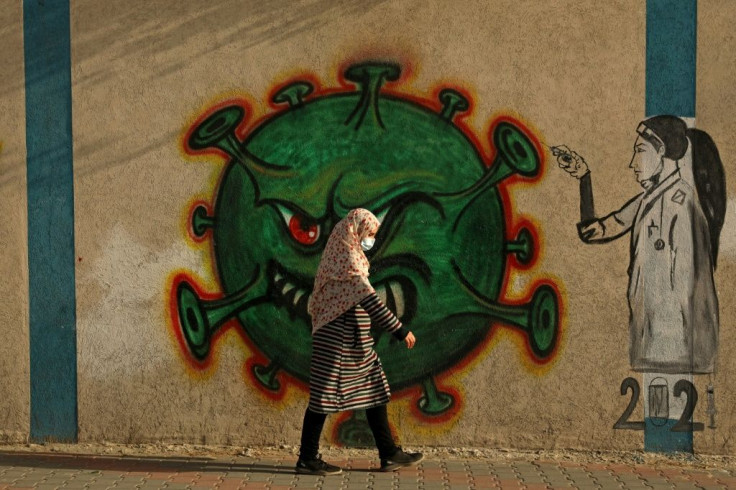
(673, 227)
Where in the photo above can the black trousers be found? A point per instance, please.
(377, 420)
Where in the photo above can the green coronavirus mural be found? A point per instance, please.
(441, 255)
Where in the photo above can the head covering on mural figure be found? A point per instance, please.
(674, 231)
(708, 175)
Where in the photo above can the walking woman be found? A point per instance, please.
(346, 373)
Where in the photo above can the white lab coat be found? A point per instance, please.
(673, 321)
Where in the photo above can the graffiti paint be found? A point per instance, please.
(440, 260)
(674, 228)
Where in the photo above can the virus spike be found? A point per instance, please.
(523, 246)
(515, 155)
(199, 319)
(201, 222)
(293, 94)
(266, 375)
(218, 131)
(369, 77)
(452, 103)
(434, 402)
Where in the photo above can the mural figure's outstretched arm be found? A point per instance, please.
(590, 228)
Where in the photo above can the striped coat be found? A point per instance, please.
(346, 373)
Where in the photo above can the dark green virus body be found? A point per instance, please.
(440, 256)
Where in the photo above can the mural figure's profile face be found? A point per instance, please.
(646, 161)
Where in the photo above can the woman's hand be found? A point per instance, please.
(410, 340)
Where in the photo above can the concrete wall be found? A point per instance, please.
(143, 74)
(14, 368)
(716, 98)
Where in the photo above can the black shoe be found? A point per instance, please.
(400, 459)
(316, 467)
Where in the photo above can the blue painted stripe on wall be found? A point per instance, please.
(671, 56)
(659, 438)
(670, 89)
(53, 350)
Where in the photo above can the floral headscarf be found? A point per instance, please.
(342, 276)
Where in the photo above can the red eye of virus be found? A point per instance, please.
(303, 230)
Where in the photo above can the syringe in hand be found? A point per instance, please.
(561, 153)
(587, 207)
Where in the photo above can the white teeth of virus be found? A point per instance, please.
(288, 287)
(398, 294)
(298, 295)
(278, 277)
(381, 292)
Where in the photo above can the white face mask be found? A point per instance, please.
(367, 243)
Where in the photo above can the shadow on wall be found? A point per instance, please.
(129, 35)
(138, 32)
(237, 25)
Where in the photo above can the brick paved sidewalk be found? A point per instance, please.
(52, 470)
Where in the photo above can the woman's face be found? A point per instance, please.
(647, 160)
(367, 228)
